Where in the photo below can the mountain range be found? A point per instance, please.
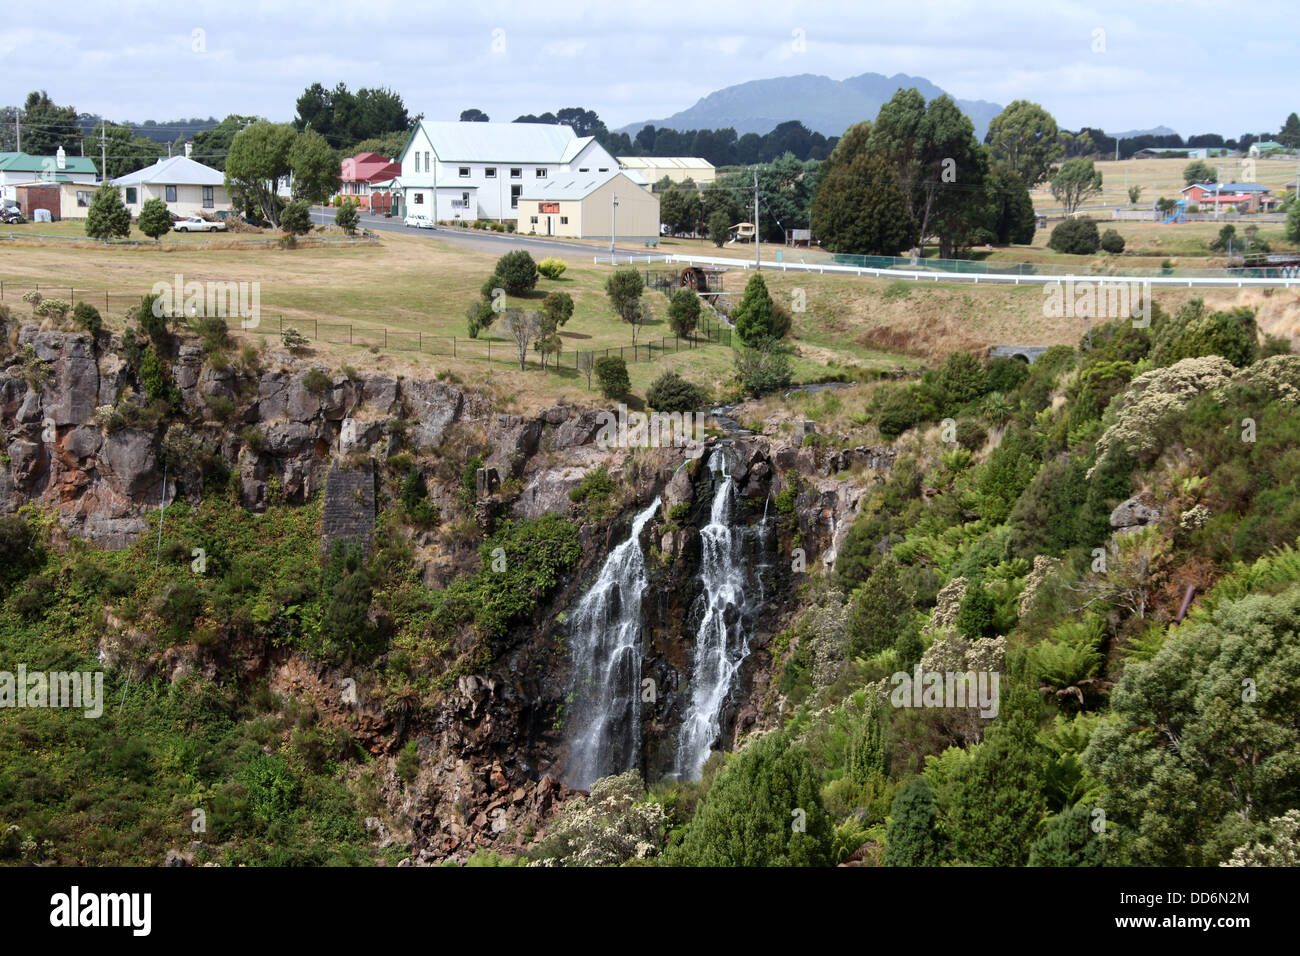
(824, 105)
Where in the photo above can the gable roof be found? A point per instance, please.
(500, 142)
(665, 162)
(1228, 187)
(177, 171)
(27, 163)
(370, 167)
(572, 187)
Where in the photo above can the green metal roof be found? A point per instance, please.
(25, 162)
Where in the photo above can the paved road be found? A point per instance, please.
(481, 241)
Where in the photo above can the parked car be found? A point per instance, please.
(197, 224)
(12, 215)
(418, 222)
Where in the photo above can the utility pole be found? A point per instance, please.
(613, 222)
(103, 152)
(18, 132)
(758, 259)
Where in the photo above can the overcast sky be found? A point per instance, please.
(1193, 65)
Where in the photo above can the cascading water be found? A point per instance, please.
(721, 642)
(605, 637)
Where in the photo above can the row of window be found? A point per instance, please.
(564, 220)
(169, 195)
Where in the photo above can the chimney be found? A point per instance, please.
(61, 159)
(189, 148)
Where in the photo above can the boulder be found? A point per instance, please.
(1134, 513)
(288, 438)
(83, 442)
(380, 392)
(359, 436)
(577, 430)
(272, 395)
(71, 396)
(301, 403)
(128, 462)
(432, 406)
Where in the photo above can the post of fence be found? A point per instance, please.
(72, 296)
(105, 300)
(453, 346)
(385, 336)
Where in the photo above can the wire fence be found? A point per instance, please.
(229, 240)
(974, 267)
(486, 347)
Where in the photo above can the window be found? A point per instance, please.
(541, 173)
(83, 198)
(564, 220)
(584, 169)
(170, 195)
(208, 201)
(514, 196)
(490, 172)
(419, 199)
(464, 172)
(130, 196)
(533, 220)
(604, 169)
(426, 161)
(516, 172)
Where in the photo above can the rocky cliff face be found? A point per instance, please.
(491, 748)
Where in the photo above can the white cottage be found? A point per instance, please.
(187, 187)
(472, 171)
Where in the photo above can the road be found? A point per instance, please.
(498, 242)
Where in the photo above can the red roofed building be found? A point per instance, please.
(1246, 197)
(362, 177)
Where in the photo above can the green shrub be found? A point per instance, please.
(764, 809)
(408, 761)
(975, 619)
(763, 370)
(971, 435)
(684, 312)
(552, 268)
(150, 314)
(611, 373)
(1005, 375)
(316, 381)
(595, 491)
(1075, 237)
(755, 317)
(896, 412)
(672, 393)
(1112, 242)
(517, 272)
(911, 838)
(87, 317)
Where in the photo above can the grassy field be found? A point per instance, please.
(414, 285)
(847, 321)
(405, 284)
(76, 229)
(1164, 177)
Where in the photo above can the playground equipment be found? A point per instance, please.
(1179, 215)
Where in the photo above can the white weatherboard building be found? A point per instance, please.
(187, 187)
(480, 170)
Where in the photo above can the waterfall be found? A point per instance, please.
(605, 637)
(721, 642)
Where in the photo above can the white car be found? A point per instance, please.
(196, 224)
(418, 222)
